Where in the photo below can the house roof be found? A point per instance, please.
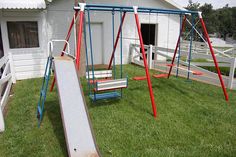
(40, 4)
(176, 5)
(22, 4)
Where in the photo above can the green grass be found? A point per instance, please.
(194, 120)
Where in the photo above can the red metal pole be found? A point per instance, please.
(80, 31)
(69, 32)
(116, 42)
(177, 45)
(214, 57)
(145, 62)
(65, 45)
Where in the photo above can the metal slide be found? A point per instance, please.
(76, 123)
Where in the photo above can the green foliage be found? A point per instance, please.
(194, 120)
(221, 21)
(193, 6)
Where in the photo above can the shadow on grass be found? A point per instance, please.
(53, 113)
(105, 102)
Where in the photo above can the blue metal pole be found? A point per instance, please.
(91, 49)
(140, 11)
(179, 52)
(86, 52)
(113, 42)
(190, 48)
(45, 86)
(121, 49)
(130, 9)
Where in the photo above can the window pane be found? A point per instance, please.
(23, 34)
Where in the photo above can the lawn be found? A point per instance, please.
(194, 120)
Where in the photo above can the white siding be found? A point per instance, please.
(53, 23)
(27, 62)
(61, 8)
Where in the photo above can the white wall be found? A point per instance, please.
(53, 23)
(27, 62)
(60, 13)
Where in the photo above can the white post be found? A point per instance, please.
(149, 53)
(2, 125)
(13, 74)
(231, 74)
(131, 53)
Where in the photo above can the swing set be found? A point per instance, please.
(101, 83)
(104, 84)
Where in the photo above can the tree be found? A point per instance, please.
(225, 19)
(221, 21)
(193, 6)
(209, 17)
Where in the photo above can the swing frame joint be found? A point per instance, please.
(135, 9)
(82, 6)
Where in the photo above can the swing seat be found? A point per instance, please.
(139, 78)
(111, 85)
(100, 80)
(197, 73)
(99, 76)
(170, 65)
(160, 75)
(166, 65)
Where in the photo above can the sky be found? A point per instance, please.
(216, 3)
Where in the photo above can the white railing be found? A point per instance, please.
(5, 87)
(51, 47)
(202, 47)
(164, 55)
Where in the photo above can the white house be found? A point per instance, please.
(27, 26)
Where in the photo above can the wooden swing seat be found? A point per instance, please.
(197, 73)
(170, 65)
(160, 75)
(111, 85)
(99, 76)
(139, 78)
(99, 80)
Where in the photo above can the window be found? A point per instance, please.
(23, 34)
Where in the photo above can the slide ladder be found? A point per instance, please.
(43, 92)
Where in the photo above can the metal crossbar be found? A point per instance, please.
(99, 7)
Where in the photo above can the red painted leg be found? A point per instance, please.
(116, 42)
(145, 63)
(80, 31)
(65, 46)
(214, 57)
(177, 45)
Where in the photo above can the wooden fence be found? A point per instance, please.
(5, 86)
(160, 64)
